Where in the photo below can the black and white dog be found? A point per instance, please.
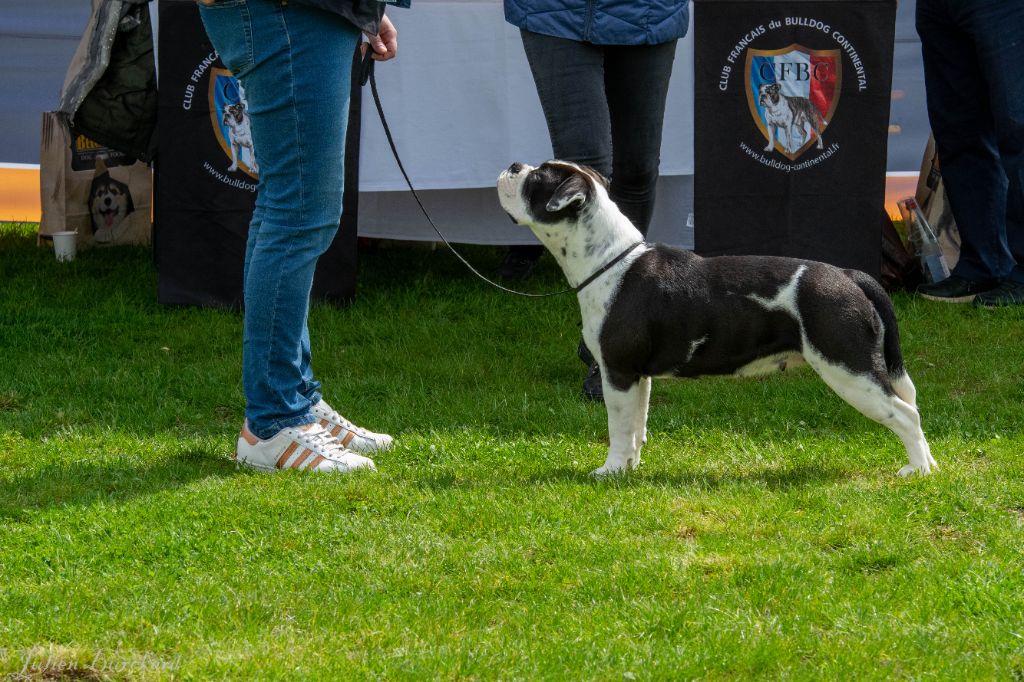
(660, 311)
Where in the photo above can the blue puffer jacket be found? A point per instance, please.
(603, 22)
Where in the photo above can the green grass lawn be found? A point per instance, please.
(766, 535)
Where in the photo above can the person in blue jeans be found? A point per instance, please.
(294, 64)
(602, 71)
(974, 78)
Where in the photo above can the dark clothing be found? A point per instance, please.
(110, 92)
(605, 106)
(974, 76)
(363, 14)
(602, 22)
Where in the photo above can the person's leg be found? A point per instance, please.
(958, 100)
(569, 77)
(997, 28)
(636, 82)
(294, 64)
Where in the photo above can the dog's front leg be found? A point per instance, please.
(623, 437)
(643, 401)
(771, 139)
(234, 157)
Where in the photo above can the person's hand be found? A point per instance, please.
(206, 2)
(385, 43)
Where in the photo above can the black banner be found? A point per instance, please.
(791, 124)
(206, 184)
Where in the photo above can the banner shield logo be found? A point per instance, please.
(229, 115)
(793, 93)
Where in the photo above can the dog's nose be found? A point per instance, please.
(515, 168)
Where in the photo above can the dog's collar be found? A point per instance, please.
(606, 267)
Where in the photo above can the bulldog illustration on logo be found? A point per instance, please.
(793, 93)
(230, 117)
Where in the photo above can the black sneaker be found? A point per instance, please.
(955, 289)
(519, 262)
(592, 388)
(1007, 293)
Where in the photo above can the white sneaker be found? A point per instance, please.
(348, 434)
(309, 448)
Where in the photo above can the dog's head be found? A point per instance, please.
(234, 114)
(109, 202)
(556, 192)
(768, 93)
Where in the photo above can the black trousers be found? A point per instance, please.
(605, 106)
(974, 76)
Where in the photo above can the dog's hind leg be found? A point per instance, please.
(875, 398)
(624, 438)
(904, 388)
(791, 142)
(906, 392)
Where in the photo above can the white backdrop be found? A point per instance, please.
(461, 104)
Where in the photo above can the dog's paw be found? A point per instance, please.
(608, 472)
(616, 468)
(923, 469)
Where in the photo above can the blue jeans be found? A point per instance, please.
(294, 64)
(974, 76)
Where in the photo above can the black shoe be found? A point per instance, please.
(584, 354)
(519, 262)
(1007, 293)
(592, 389)
(955, 289)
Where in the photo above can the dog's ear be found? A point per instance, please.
(573, 190)
(98, 181)
(774, 88)
(130, 204)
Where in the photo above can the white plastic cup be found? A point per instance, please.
(65, 245)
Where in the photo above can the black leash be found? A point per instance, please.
(367, 74)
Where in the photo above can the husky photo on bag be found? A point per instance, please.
(87, 188)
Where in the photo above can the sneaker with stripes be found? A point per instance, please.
(303, 448)
(348, 434)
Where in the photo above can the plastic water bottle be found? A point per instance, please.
(923, 238)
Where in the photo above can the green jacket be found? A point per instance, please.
(110, 90)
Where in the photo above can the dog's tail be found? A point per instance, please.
(891, 334)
